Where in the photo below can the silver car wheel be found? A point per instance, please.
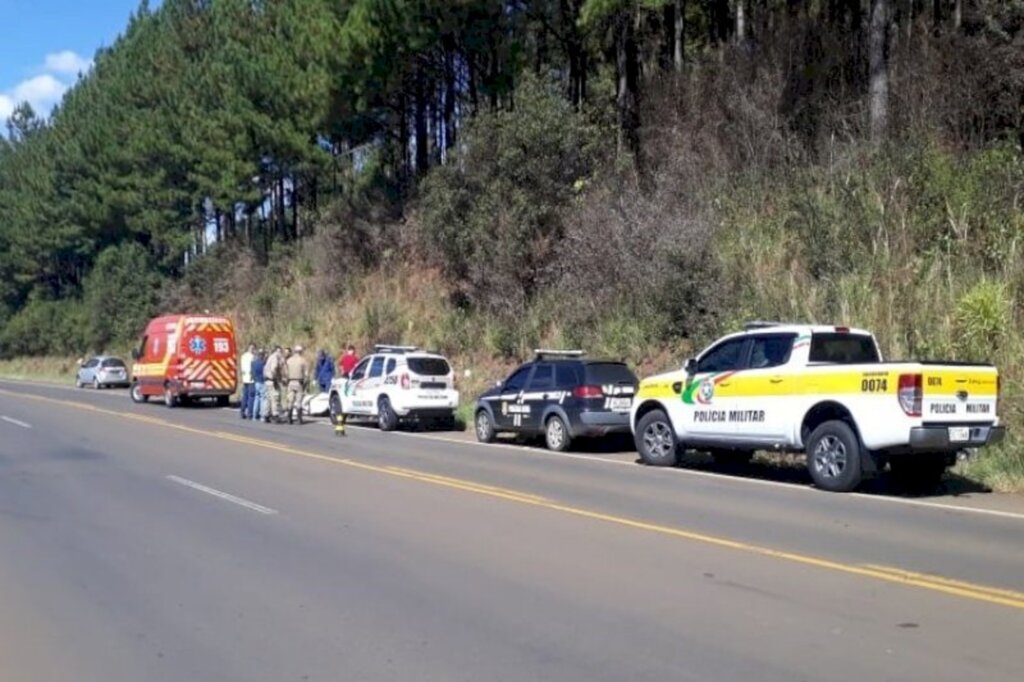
(829, 457)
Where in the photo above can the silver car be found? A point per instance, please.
(102, 371)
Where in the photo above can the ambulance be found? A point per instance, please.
(183, 358)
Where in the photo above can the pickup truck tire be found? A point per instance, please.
(656, 440)
(387, 420)
(833, 457)
(917, 474)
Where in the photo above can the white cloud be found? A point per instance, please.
(45, 90)
(42, 92)
(67, 62)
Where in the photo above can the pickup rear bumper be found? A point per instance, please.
(936, 438)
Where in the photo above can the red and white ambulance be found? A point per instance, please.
(185, 357)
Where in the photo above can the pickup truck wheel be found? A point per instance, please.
(387, 420)
(484, 427)
(556, 435)
(656, 440)
(335, 408)
(833, 457)
(917, 474)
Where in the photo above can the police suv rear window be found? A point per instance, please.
(601, 373)
(843, 349)
(429, 366)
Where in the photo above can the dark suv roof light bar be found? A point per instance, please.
(551, 353)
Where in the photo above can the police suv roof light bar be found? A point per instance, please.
(387, 348)
(550, 353)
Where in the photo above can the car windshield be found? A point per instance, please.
(843, 349)
(601, 373)
(113, 363)
(429, 366)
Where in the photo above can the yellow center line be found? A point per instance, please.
(933, 583)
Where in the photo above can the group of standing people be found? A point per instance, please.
(279, 378)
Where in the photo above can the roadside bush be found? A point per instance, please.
(491, 217)
(45, 327)
(981, 321)
(121, 293)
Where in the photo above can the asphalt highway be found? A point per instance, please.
(143, 543)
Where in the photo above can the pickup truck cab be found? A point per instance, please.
(820, 390)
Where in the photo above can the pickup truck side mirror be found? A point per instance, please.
(690, 366)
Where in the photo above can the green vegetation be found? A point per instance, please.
(629, 176)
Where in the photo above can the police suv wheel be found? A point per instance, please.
(656, 440)
(484, 427)
(833, 457)
(335, 408)
(387, 420)
(556, 435)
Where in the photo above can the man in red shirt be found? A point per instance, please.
(348, 361)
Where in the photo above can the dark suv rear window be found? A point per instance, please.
(843, 349)
(113, 363)
(602, 373)
(437, 367)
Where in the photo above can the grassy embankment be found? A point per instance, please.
(921, 247)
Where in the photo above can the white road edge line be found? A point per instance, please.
(16, 422)
(715, 476)
(242, 502)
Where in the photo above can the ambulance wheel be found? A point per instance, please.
(386, 417)
(556, 435)
(170, 400)
(137, 396)
(656, 440)
(833, 457)
(335, 409)
(485, 432)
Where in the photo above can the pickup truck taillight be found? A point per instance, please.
(910, 394)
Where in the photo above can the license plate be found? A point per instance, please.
(620, 404)
(959, 434)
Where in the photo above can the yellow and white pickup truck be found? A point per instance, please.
(824, 391)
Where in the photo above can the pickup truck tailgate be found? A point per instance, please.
(959, 393)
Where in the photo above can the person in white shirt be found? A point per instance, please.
(248, 387)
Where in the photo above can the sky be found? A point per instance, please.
(45, 44)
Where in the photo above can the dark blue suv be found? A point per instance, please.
(561, 395)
